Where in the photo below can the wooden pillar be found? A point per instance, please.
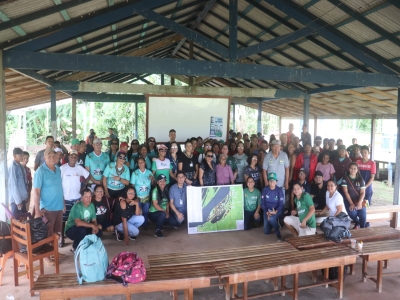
(259, 123)
(162, 79)
(136, 121)
(280, 125)
(3, 150)
(74, 118)
(191, 57)
(172, 81)
(373, 130)
(53, 117)
(234, 116)
(306, 110)
(397, 172)
(315, 127)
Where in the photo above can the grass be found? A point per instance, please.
(383, 195)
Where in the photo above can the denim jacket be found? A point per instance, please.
(17, 188)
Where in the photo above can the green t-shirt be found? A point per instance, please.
(232, 163)
(79, 211)
(154, 197)
(162, 167)
(97, 164)
(111, 171)
(303, 207)
(251, 199)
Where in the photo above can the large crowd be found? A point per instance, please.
(286, 181)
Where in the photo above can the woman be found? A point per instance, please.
(253, 170)
(116, 176)
(207, 147)
(292, 159)
(232, 148)
(141, 180)
(159, 209)
(102, 208)
(230, 161)
(223, 172)
(254, 145)
(207, 170)
(252, 200)
(353, 187)
(173, 158)
(143, 154)
(162, 165)
(216, 151)
(127, 217)
(260, 157)
(187, 163)
(151, 148)
(112, 153)
(334, 201)
(326, 167)
(241, 162)
(133, 154)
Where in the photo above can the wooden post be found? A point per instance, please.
(373, 130)
(136, 121)
(74, 118)
(306, 110)
(53, 110)
(397, 171)
(172, 80)
(3, 150)
(191, 57)
(162, 79)
(280, 125)
(315, 127)
(233, 116)
(259, 123)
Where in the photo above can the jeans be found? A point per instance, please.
(359, 216)
(16, 211)
(273, 222)
(160, 218)
(249, 219)
(182, 210)
(77, 234)
(145, 212)
(133, 223)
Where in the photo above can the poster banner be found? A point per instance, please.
(215, 208)
(216, 127)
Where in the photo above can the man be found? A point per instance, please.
(96, 162)
(341, 164)
(57, 144)
(89, 144)
(333, 154)
(172, 138)
(92, 135)
(356, 153)
(305, 135)
(284, 141)
(264, 146)
(75, 145)
(24, 163)
(351, 149)
(290, 134)
(297, 147)
(177, 198)
(48, 195)
(367, 170)
(111, 136)
(305, 223)
(318, 142)
(82, 220)
(307, 161)
(71, 174)
(17, 184)
(39, 159)
(81, 153)
(272, 203)
(276, 161)
(318, 191)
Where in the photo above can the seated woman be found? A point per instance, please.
(116, 176)
(102, 209)
(223, 171)
(254, 170)
(127, 217)
(207, 170)
(334, 201)
(353, 187)
(82, 220)
(252, 200)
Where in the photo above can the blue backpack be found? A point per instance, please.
(91, 259)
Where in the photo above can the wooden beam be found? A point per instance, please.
(357, 102)
(369, 98)
(382, 93)
(162, 43)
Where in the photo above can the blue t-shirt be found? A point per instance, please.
(142, 182)
(178, 195)
(111, 171)
(97, 164)
(50, 184)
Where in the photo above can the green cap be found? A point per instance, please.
(75, 142)
(221, 141)
(272, 176)
(342, 147)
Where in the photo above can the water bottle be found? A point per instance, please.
(10, 297)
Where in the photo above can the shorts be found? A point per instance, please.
(295, 223)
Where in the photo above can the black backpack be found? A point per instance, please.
(5, 244)
(336, 228)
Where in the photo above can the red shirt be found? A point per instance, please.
(368, 166)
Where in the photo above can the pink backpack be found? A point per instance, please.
(126, 267)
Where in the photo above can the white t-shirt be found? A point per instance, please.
(71, 180)
(333, 202)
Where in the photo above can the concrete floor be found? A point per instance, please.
(177, 240)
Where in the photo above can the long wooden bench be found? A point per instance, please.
(65, 286)
(383, 213)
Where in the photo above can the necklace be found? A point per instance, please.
(119, 173)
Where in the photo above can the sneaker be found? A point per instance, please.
(159, 234)
(280, 238)
(132, 238)
(119, 236)
(48, 261)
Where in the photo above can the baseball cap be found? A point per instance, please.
(161, 177)
(58, 150)
(18, 151)
(97, 141)
(162, 146)
(221, 141)
(318, 173)
(318, 138)
(272, 176)
(121, 152)
(276, 142)
(75, 142)
(303, 170)
(124, 144)
(48, 151)
(342, 147)
(73, 152)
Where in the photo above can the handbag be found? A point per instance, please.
(38, 231)
(363, 201)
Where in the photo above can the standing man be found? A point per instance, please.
(367, 169)
(318, 142)
(276, 161)
(177, 198)
(17, 184)
(48, 195)
(111, 136)
(350, 149)
(24, 163)
(75, 145)
(305, 135)
(39, 159)
(96, 162)
(172, 138)
(290, 134)
(307, 161)
(81, 153)
(341, 164)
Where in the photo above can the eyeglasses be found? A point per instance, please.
(114, 144)
(240, 147)
(207, 146)
(98, 143)
(209, 156)
(254, 158)
(174, 147)
(130, 193)
(121, 157)
(99, 191)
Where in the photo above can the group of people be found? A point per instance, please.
(89, 191)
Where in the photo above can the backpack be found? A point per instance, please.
(336, 228)
(5, 244)
(126, 267)
(91, 259)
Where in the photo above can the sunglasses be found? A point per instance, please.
(254, 158)
(174, 147)
(121, 157)
(207, 146)
(209, 156)
(162, 150)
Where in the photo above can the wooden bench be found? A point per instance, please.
(383, 213)
(283, 264)
(379, 251)
(66, 286)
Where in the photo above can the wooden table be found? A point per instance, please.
(365, 234)
(379, 251)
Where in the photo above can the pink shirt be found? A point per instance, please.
(224, 174)
(326, 170)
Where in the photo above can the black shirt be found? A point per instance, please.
(120, 213)
(319, 195)
(101, 210)
(188, 165)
